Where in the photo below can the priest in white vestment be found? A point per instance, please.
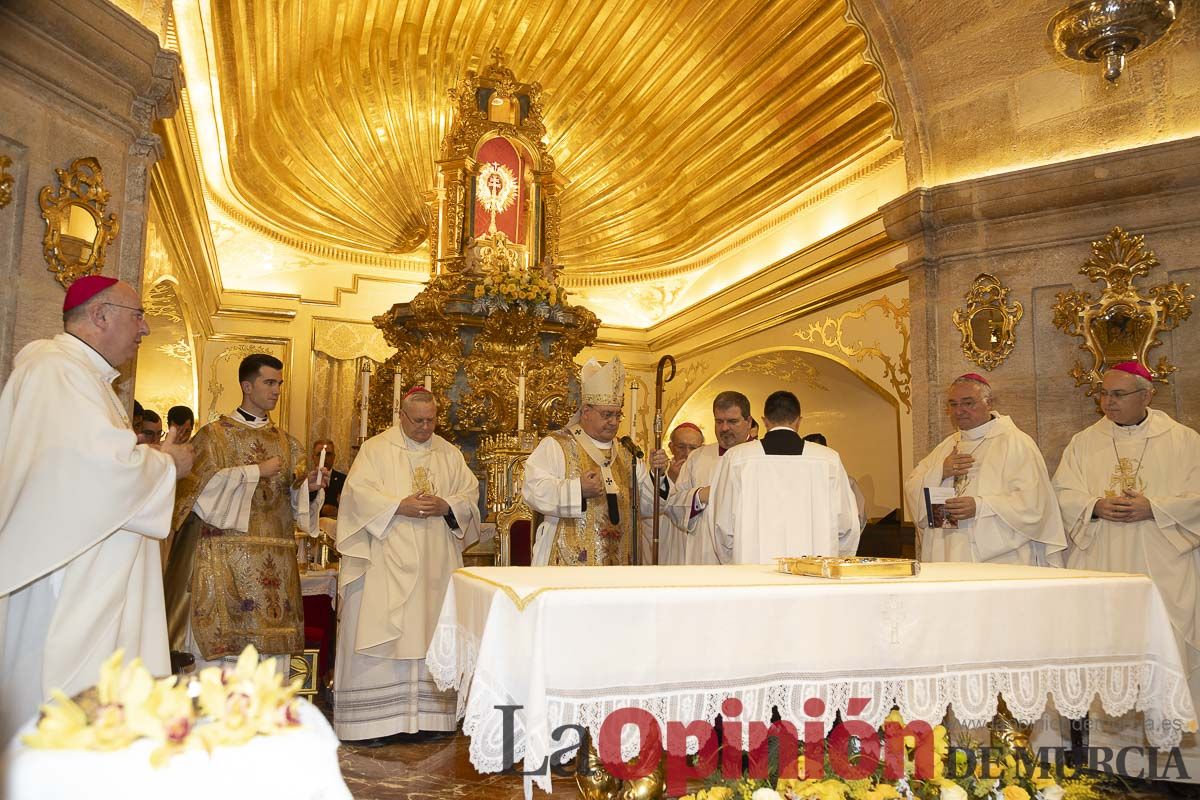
(578, 479)
(782, 496)
(82, 508)
(688, 505)
(684, 440)
(409, 507)
(1004, 505)
(1129, 489)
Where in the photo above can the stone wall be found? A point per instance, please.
(77, 78)
(1033, 229)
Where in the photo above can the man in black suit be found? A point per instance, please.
(333, 492)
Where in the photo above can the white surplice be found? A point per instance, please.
(766, 506)
(549, 492)
(393, 577)
(685, 509)
(1016, 514)
(82, 508)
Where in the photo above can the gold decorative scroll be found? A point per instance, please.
(77, 232)
(1124, 323)
(787, 366)
(897, 369)
(6, 181)
(987, 323)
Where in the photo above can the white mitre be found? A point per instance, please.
(603, 384)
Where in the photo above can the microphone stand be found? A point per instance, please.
(634, 496)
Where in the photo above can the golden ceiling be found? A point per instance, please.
(676, 122)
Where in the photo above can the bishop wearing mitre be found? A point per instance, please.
(782, 496)
(409, 507)
(1003, 510)
(578, 478)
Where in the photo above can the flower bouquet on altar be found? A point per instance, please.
(862, 769)
(518, 288)
(219, 707)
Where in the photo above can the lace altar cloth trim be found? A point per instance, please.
(1122, 684)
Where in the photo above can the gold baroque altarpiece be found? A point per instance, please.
(493, 310)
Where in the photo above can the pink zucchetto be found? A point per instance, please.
(974, 376)
(1134, 368)
(85, 288)
(690, 425)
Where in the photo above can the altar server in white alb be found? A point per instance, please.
(1004, 504)
(82, 508)
(409, 507)
(1129, 488)
(782, 496)
(688, 504)
(578, 478)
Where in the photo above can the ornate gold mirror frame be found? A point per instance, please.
(1123, 324)
(988, 324)
(77, 233)
(6, 181)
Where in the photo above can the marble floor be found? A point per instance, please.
(437, 768)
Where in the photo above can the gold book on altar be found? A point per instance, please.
(849, 567)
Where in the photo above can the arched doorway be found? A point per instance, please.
(859, 418)
(166, 363)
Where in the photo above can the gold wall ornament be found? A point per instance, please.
(1124, 323)
(897, 369)
(988, 324)
(6, 181)
(77, 232)
(1107, 31)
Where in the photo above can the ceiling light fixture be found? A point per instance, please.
(1106, 31)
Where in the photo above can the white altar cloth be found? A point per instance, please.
(572, 644)
(300, 764)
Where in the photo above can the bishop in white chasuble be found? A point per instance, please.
(1005, 511)
(82, 509)
(1129, 489)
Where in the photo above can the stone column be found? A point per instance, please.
(77, 78)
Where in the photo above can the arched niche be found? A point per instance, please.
(860, 419)
(166, 364)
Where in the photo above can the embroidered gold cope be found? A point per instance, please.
(237, 588)
(593, 540)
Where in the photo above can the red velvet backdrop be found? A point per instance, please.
(512, 222)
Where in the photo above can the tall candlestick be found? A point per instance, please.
(366, 398)
(397, 395)
(633, 387)
(521, 400)
(429, 379)
(321, 463)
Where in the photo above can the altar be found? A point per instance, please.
(572, 645)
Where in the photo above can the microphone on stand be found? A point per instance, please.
(628, 444)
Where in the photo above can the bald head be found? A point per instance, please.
(112, 321)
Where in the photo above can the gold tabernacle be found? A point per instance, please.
(849, 567)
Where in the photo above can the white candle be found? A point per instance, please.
(521, 400)
(321, 463)
(366, 397)
(397, 396)
(428, 379)
(633, 387)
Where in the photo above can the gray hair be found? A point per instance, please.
(985, 391)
